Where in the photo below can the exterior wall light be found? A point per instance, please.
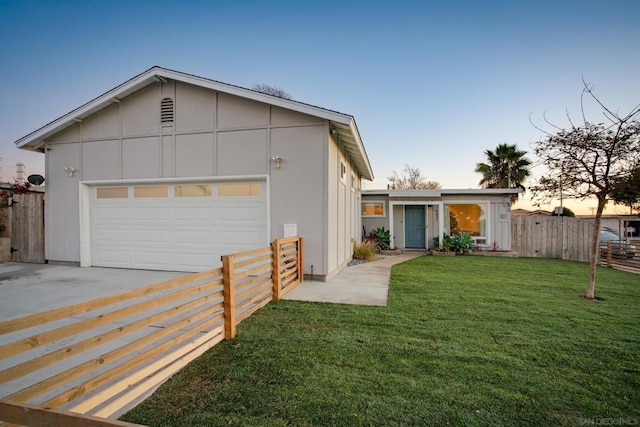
(71, 171)
(278, 161)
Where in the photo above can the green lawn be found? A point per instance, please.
(465, 340)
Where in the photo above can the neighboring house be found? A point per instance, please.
(415, 217)
(169, 171)
(622, 225)
(524, 212)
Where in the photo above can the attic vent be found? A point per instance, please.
(166, 110)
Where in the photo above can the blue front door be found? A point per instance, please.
(414, 227)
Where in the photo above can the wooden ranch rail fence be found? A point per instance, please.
(612, 256)
(103, 356)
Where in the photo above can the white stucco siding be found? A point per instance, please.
(234, 112)
(298, 190)
(141, 157)
(194, 155)
(101, 159)
(140, 112)
(342, 207)
(195, 108)
(398, 226)
(242, 152)
(501, 221)
(103, 125)
(212, 135)
(62, 213)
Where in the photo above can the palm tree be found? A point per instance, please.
(506, 167)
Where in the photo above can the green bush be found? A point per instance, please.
(461, 242)
(380, 237)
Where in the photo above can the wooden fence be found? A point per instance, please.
(620, 257)
(103, 356)
(27, 227)
(552, 237)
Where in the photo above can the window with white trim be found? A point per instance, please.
(470, 218)
(373, 209)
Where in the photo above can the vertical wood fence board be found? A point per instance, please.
(27, 227)
(275, 269)
(229, 297)
(552, 237)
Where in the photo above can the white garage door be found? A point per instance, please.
(177, 227)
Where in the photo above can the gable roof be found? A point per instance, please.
(343, 126)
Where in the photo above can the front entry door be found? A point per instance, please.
(414, 226)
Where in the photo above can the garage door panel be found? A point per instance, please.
(111, 238)
(151, 236)
(118, 255)
(145, 256)
(160, 212)
(193, 213)
(240, 215)
(194, 237)
(175, 233)
(111, 213)
(238, 236)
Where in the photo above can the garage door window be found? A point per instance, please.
(239, 189)
(112, 192)
(151, 191)
(194, 190)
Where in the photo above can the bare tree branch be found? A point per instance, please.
(589, 161)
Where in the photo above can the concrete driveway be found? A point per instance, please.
(32, 288)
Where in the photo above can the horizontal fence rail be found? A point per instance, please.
(621, 256)
(102, 356)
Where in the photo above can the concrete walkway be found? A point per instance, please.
(362, 284)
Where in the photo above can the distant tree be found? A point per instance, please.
(506, 167)
(588, 160)
(567, 212)
(627, 190)
(411, 179)
(271, 90)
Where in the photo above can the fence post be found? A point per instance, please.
(275, 269)
(229, 293)
(609, 255)
(300, 260)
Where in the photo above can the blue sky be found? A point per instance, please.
(431, 84)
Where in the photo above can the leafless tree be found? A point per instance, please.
(586, 160)
(271, 90)
(411, 179)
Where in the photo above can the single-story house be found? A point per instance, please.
(525, 212)
(169, 171)
(415, 217)
(623, 225)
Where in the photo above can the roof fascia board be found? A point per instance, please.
(253, 95)
(356, 134)
(112, 96)
(451, 192)
(156, 73)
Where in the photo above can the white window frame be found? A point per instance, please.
(374, 202)
(485, 203)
